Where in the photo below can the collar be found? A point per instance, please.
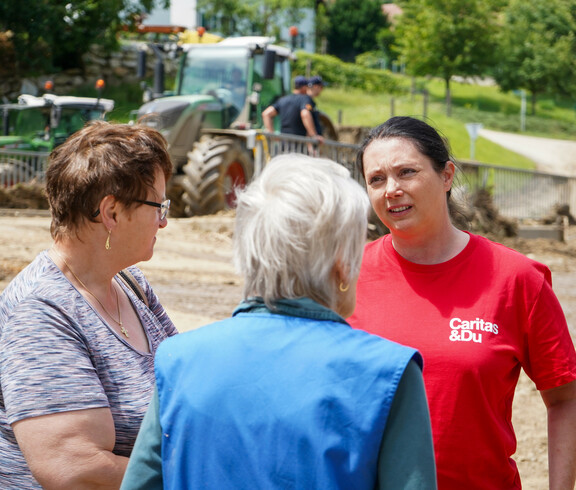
(298, 307)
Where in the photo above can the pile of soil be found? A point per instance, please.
(23, 196)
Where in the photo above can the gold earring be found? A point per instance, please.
(107, 246)
(343, 289)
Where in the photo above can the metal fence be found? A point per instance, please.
(519, 194)
(268, 145)
(17, 166)
(516, 193)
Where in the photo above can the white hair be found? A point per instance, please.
(299, 218)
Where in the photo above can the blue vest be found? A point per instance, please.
(266, 401)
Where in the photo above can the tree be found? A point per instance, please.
(322, 25)
(24, 21)
(446, 37)
(536, 45)
(51, 34)
(225, 16)
(354, 27)
(248, 17)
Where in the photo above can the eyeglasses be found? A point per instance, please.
(164, 206)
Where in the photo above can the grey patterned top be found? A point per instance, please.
(57, 354)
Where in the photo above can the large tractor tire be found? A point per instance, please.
(175, 192)
(217, 166)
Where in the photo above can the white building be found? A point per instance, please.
(180, 13)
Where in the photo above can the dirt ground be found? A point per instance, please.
(192, 274)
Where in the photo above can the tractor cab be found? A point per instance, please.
(229, 82)
(243, 73)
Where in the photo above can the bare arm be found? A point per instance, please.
(72, 450)
(561, 405)
(308, 121)
(268, 116)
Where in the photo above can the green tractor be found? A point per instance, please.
(210, 118)
(42, 123)
(34, 126)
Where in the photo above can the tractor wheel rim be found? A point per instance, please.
(235, 177)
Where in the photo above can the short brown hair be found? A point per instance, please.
(99, 160)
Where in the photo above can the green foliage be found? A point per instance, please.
(342, 74)
(500, 110)
(322, 25)
(225, 16)
(51, 34)
(386, 40)
(537, 44)
(444, 38)
(126, 97)
(371, 59)
(354, 27)
(26, 20)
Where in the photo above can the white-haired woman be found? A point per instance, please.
(285, 394)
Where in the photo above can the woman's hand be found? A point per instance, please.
(71, 450)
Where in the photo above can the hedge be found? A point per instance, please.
(338, 73)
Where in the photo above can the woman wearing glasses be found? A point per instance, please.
(77, 343)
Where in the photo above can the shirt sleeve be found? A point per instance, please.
(46, 365)
(406, 457)
(306, 102)
(549, 357)
(144, 469)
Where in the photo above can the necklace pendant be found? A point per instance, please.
(124, 331)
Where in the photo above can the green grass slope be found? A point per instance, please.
(471, 103)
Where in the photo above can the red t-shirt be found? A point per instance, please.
(476, 319)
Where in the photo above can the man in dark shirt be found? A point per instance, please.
(296, 110)
(315, 87)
